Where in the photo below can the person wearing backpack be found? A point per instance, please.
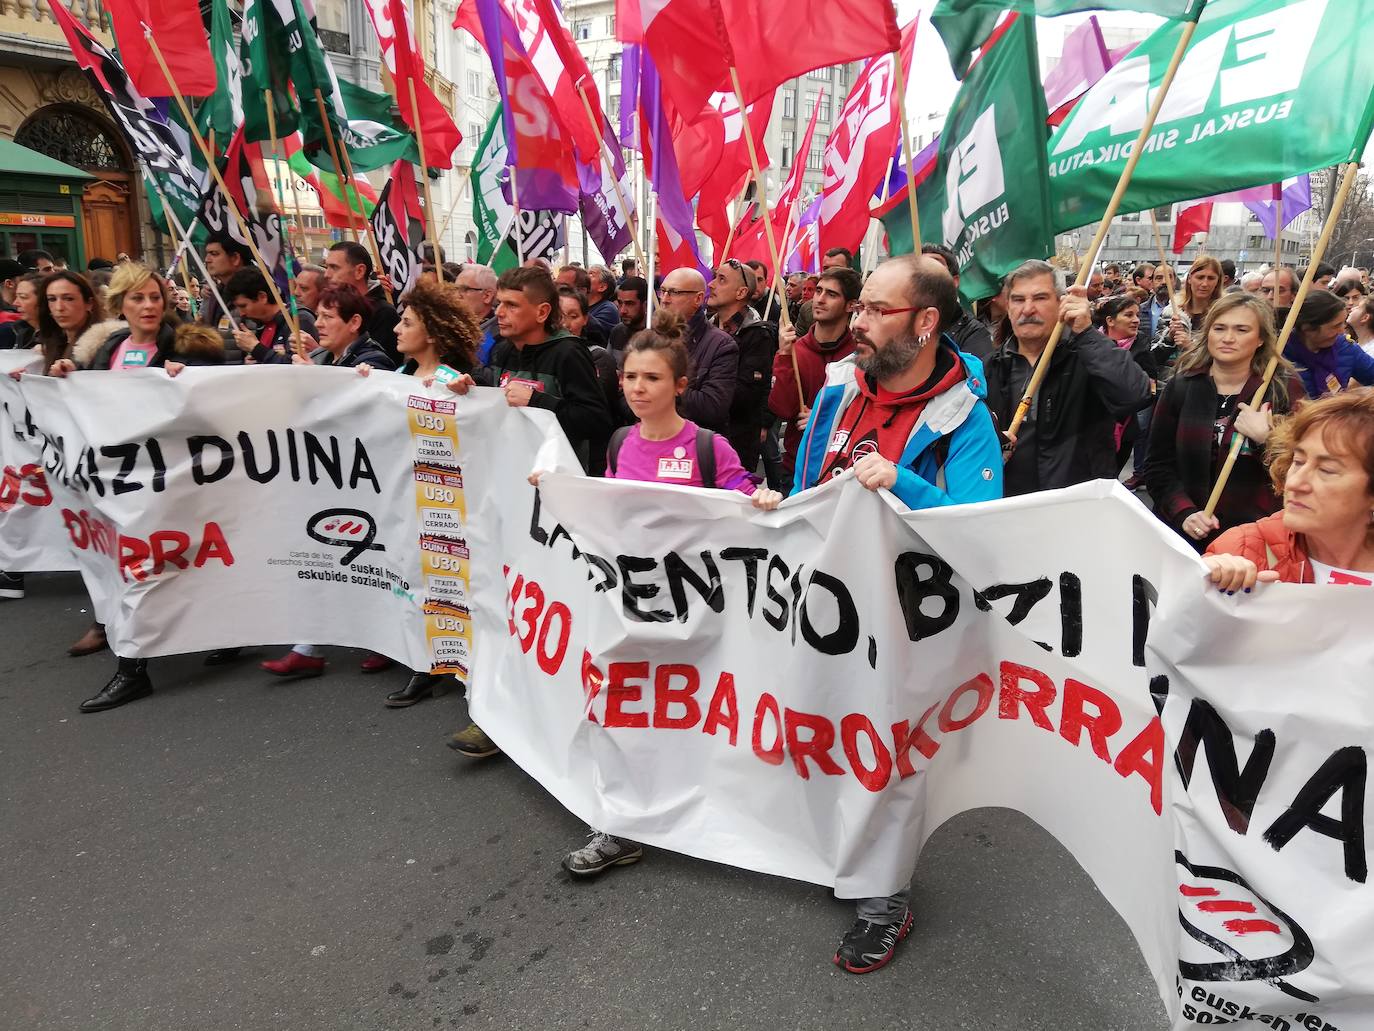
(907, 413)
(662, 447)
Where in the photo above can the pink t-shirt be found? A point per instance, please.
(675, 461)
(129, 355)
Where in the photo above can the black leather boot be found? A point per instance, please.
(129, 684)
(421, 684)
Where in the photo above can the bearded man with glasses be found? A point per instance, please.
(905, 411)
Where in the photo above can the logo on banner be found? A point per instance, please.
(1255, 940)
(346, 528)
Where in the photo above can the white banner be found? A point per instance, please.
(810, 692)
(30, 539)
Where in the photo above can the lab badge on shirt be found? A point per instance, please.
(679, 467)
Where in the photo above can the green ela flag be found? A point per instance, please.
(371, 128)
(491, 212)
(965, 24)
(987, 197)
(184, 206)
(222, 111)
(266, 65)
(1268, 89)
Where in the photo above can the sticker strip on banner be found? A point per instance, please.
(442, 511)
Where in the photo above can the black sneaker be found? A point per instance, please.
(867, 946)
(11, 585)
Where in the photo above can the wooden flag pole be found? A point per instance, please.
(1042, 366)
(1318, 252)
(1163, 255)
(615, 181)
(289, 313)
(515, 219)
(295, 195)
(186, 247)
(906, 153)
(458, 195)
(734, 221)
(219, 179)
(367, 223)
(334, 157)
(424, 181)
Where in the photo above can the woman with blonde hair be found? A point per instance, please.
(1322, 464)
(1204, 406)
(1201, 288)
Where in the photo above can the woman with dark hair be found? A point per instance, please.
(1321, 461)
(1325, 359)
(67, 307)
(1201, 410)
(436, 330)
(1118, 317)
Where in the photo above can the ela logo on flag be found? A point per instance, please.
(974, 178)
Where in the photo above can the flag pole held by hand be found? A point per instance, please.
(1318, 252)
(1042, 366)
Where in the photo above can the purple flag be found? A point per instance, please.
(677, 237)
(607, 221)
(630, 60)
(805, 255)
(1297, 198)
(1086, 59)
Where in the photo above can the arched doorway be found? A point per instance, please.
(78, 136)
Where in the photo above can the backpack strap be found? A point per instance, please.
(706, 456)
(613, 448)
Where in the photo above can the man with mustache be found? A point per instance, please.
(1069, 433)
(905, 412)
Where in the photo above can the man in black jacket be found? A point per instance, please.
(713, 353)
(349, 264)
(728, 300)
(1068, 435)
(631, 299)
(268, 341)
(971, 334)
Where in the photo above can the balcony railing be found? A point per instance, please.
(88, 12)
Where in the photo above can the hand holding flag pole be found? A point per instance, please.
(1164, 261)
(1042, 366)
(219, 180)
(1318, 252)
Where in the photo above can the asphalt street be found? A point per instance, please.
(240, 853)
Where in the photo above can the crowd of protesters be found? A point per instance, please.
(772, 392)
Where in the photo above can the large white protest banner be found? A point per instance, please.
(30, 539)
(809, 692)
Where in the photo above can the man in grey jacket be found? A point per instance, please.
(1068, 435)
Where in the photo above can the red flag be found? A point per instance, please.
(180, 36)
(696, 42)
(751, 242)
(1192, 221)
(441, 137)
(719, 132)
(860, 149)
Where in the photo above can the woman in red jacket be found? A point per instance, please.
(1322, 463)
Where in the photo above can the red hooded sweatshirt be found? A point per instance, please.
(812, 358)
(881, 422)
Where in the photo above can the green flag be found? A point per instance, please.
(222, 111)
(1268, 89)
(363, 121)
(987, 197)
(964, 25)
(492, 213)
(262, 55)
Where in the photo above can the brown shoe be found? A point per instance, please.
(92, 641)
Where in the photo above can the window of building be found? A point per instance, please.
(1133, 216)
(825, 107)
(614, 112)
(815, 161)
(470, 245)
(789, 144)
(613, 68)
(789, 103)
(610, 24)
(1130, 241)
(811, 97)
(844, 76)
(474, 133)
(474, 85)
(818, 73)
(1165, 214)
(582, 29)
